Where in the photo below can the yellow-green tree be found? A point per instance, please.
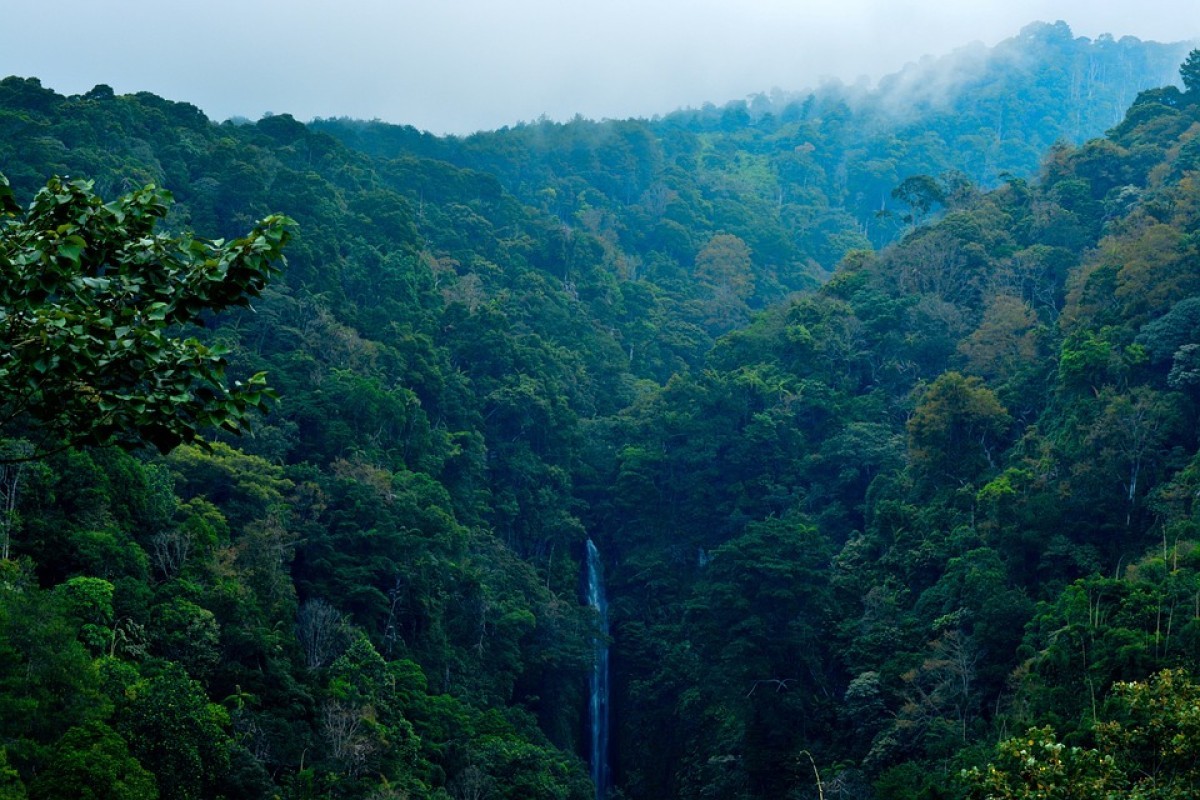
(958, 427)
(725, 268)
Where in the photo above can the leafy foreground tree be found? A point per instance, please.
(89, 295)
(1148, 747)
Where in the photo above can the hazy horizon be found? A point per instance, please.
(465, 65)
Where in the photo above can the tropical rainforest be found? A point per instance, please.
(879, 406)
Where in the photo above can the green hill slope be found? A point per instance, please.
(869, 524)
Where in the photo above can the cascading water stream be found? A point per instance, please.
(598, 683)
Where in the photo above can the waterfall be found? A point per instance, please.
(598, 683)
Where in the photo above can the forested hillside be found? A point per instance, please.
(859, 532)
(801, 178)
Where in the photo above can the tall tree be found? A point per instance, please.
(724, 266)
(1190, 72)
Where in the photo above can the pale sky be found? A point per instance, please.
(455, 66)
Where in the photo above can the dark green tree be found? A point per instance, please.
(92, 762)
(1189, 71)
(176, 733)
(920, 193)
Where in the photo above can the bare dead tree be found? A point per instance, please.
(14, 455)
(342, 729)
(169, 551)
(321, 629)
(942, 687)
(471, 784)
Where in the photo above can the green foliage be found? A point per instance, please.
(1189, 71)
(1145, 748)
(93, 762)
(958, 427)
(176, 733)
(724, 266)
(90, 600)
(49, 682)
(11, 787)
(863, 523)
(89, 293)
(1036, 765)
(920, 193)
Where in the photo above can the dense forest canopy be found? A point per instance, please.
(879, 406)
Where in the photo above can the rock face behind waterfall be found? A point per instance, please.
(598, 684)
